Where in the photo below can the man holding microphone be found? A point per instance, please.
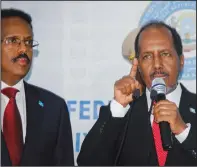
(128, 130)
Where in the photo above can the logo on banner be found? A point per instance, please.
(182, 16)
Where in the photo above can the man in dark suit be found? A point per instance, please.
(159, 54)
(35, 124)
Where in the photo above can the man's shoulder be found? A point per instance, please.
(189, 96)
(43, 92)
(186, 91)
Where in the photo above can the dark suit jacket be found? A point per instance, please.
(103, 141)
(48, 135)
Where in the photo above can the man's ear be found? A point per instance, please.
(139, 75)
(139, 78)
(182, 60)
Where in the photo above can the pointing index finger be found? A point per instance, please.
(134, 68)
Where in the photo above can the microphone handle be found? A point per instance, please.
(165, 130)
(165, 135)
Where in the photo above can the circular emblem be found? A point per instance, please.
(182, 16)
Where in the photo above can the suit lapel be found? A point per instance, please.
(5, 158)
(35, 114)
(140, 138)
(144, 130)
(186, 103)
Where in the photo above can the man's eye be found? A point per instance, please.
(12, 40)
(29, 42)
(147, 56)
(165, 54)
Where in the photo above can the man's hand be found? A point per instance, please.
(125, 87)
(167, 111)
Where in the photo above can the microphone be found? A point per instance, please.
(136, 95)
(158, 91)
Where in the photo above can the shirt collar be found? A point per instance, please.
(173, 96)
(19, 85)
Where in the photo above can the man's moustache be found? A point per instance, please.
(158, 73)
(22, 55)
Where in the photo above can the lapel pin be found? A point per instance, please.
(41, 103)
(192, 110)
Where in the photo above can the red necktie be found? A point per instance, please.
(161, 154)
(12, 127)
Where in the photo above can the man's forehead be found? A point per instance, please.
(155, 32)
(15, 25)
(155, 35)
(14, 21)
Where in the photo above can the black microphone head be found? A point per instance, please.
(153, 94)
(159, 86)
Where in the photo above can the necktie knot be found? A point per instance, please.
(10, 92)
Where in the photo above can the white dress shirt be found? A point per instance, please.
(118, 110)
(20, 101)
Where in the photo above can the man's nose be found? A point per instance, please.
(22, 48)
(157, 62)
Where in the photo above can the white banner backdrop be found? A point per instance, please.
(80, 54)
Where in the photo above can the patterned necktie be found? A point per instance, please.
(12, 127)
(161, 154)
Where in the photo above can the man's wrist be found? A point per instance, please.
(181, 129)
(119, 102)
(181, 137)
(117, 109)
